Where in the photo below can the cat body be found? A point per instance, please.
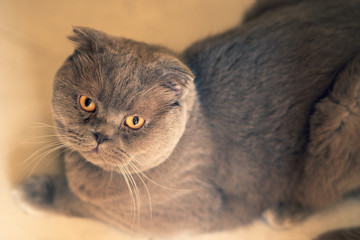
(269, 122)
(286, 59)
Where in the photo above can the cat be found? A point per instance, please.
(261, 120)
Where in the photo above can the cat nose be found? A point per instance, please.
(100, 138)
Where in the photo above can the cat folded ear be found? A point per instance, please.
(86, 39)
(177, 77)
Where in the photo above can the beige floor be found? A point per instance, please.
(32, 47)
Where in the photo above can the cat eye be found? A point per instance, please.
(134, 122)
(87, 104)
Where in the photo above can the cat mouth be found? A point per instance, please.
(96, 150)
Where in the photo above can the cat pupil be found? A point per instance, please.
(135, 120)
(87, 102)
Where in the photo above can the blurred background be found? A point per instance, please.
(33, 45)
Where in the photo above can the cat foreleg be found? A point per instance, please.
(45, 193)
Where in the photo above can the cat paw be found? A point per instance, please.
(275, 221)
(283, 218)
(35, 194)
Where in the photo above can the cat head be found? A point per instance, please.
(121, 103)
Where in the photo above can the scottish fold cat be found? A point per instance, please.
(261, 120)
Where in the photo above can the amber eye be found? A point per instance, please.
(134, 122)
(87, 104)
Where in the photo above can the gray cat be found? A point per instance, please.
(262, 118)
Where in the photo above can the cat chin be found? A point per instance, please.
(102, 159)
(103, 165)
(98, 159)
(118, 166)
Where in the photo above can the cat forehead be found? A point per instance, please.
(115, 83)
(103, 72)
(113, 64)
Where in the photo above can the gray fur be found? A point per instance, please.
(271, 121)
(346, 234)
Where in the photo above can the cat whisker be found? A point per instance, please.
(50, 145)
(138, 171)
(13, 148)
(42, 156)
(44, 125)
(52, 138)
(136, 191)
(50, 160)
(152, 181)
(121, 152)
(36, 156)
(78, 142)
(146, 188)
(148, 178)
(57, 155)
(130, 192)
(73, 133)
